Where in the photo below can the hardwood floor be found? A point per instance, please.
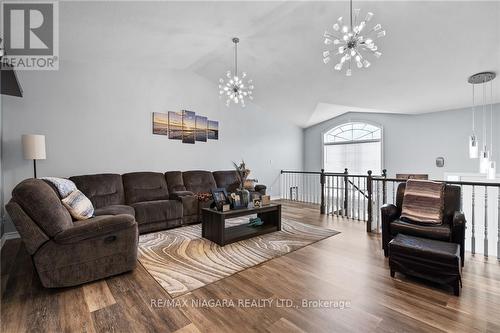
(349, 267)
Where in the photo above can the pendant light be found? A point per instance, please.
(484, 157)
(473, 143)
(485, 153)
(235, 88)
(492, 165)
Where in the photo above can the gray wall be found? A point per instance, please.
(411, 143)
(98, 119)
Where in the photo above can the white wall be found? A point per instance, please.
(98, 119)
(411, 143)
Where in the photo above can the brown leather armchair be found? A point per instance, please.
(452, 228)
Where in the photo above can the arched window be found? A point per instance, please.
(356, 146)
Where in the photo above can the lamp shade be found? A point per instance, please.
(34, 147)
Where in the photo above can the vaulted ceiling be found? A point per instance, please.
(430, 50)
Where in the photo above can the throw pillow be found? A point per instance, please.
(63, 186)
(423, 202)
(78, 205)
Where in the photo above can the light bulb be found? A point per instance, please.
(368, 16)
(358, 58)
(326, 53)
(484, 161)
(348, 72)
(328, 41)
(473, 147)
(244, 74)
(359, 64)
(228, 74)
(368, 41)
(345, 38)
(336, 41)
(326, 60)
(341, 49)
(377, 54)
(492, 170)
(338, 66)
(366, 63)
(353, 53)
(377, 27)
(361, 26)
(381, 34)
(345, 29)
(221, 80)
(336, 27)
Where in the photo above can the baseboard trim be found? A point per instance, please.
(9, 235)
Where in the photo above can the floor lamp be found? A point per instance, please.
(34, 148)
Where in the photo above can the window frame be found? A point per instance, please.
(350, 121)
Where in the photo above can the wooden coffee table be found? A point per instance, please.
(214, 228)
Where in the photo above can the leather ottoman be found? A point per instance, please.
(426, 258)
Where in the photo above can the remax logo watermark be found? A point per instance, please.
(31, 35)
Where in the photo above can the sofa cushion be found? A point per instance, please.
(144, 186)
(157, 211)
(199, 181)
(423, 202)
(227, 179)
(102, 189)
(115, 210)
(78, 205)
(175, 182)
(437, 232)
(42, 205)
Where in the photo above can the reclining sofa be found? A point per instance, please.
(66, 252)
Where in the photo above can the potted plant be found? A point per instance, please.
(242, 172)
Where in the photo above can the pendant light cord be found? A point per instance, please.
(491, 118)
(236, 59)
(351, 13)
(473, 113)
(484, 114)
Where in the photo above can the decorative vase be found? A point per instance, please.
(244, 196)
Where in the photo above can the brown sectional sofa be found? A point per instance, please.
(67, 252)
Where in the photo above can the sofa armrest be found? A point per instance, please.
(389, 213)
(95, 227)
(177, 195)
(458, 232)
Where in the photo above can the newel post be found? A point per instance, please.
(384, 187)
(346, 192)
(369, 188)
(322, 183)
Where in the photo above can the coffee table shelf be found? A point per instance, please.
(214, 229)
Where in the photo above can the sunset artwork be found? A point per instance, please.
(213, 130)
(160, 123)
(188, 126)
(175, 125)
(201, 128)
(185, 126)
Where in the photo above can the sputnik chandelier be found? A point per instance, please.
(234, 88)
(486, 163)
(350, 45)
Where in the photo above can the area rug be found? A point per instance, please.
(181, 261)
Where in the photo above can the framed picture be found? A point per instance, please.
(257, 203)
(220, 198)
(160, 123)
(213, 130)
(174, 125)
(201, 128)
(188, 126)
